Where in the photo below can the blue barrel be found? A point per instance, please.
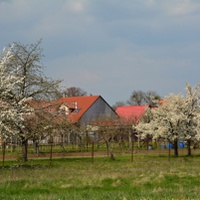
(181, 145)
(170, 146)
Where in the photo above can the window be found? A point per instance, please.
(77, 110)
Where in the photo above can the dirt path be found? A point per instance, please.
(89, 154)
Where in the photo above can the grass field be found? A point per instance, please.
(76, 178)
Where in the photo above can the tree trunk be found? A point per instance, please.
(169, 154)
(92, 151)
(130, 139)
(108, 148)
(132, 150)
(176, 148)
(51, 150)
(87, 141)
(189, 147)
(24, 150)
(138, 142)
(147, 143)
(3, 153)
(51, 153)
(69, 138)
(35, 146)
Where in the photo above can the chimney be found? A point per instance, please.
(76, 105)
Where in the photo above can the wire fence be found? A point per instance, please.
(14, 151)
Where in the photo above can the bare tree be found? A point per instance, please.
(117, 104)
(73, 92)
(140, 97)
(137, 98)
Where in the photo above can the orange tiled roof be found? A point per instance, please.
(131, 113)
(82, 103)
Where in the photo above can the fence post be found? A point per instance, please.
(92, 151)
(3, 153)
(51, 150)
(132, 149)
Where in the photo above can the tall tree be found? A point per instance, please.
(137, 98)
(11, 111)
(140, 97)
(73, 92)
(34, 84)
(151, 96)
(117, 104)
(191, 111)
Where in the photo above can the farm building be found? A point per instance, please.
(87, 109)
(69, 115)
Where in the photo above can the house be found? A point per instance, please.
(86, 109)
(89, 112)
(133, 114)
(68, 112)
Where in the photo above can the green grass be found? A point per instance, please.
(147, 177)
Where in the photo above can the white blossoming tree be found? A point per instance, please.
(26, 67)
(177, 119)
(11, 112)
(191, 111)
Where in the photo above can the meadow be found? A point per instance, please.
(146, 176)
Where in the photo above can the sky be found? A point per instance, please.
(110, 47)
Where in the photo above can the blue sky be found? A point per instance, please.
(110, 47)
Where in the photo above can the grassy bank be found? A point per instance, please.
(147, 177)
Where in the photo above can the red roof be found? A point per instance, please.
(131, 113)
(83, 103)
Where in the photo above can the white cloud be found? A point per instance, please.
(77, 6)
(182, 7)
